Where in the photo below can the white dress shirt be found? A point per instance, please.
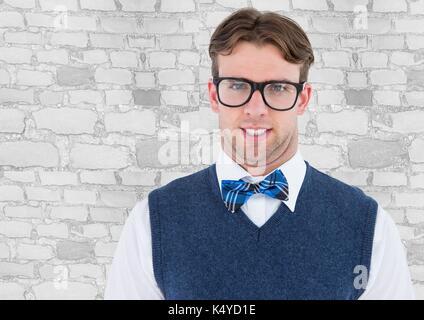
(131, 274)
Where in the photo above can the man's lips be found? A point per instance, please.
(255, 133)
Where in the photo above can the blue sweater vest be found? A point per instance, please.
(202, 251)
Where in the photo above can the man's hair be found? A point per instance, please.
(262, 28)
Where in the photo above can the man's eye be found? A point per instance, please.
(238, 85)
(278, 87)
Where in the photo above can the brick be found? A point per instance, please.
(134, 178)
(175, 77)
(161, 59)
(101, 157)
(391, 42)
(116, 232)
(417, 181)
(373, 153)
(351, 41)
(178, 98)
(62, 38)
(11, 19)
(22, 37)
(118, 198)
(189, 58)
(359, 97)
(318, 5)
(191, 25)
(16, 154)
(15, 55)
(105, 40)
(141, 42)
(11, 193)
(78, 213)
(12, 269)
(119, 25)
(141, 122)
(385, 179)
(348, 5)
(203, 120)
(107, 215)
(12, 121)
(20, 176)
(74, 291)
(73, 76)
(416, 7)
(4, 253)
(414, 98)
(23, 4)
(214, 18)
(408, 25)
(13, 96)
(357, 79)
(167, 176)
(322, 41)
(353, 122)
(59, 5)
(114, 97)
(15, 229)
(34, 78)
(79, 196)
(98, 177)
(148, 153)
(353, 177)
(85, 96)
(123, 59)
(387, 77)
(81, 23)
(327, 97)
(160, 25)
(101, 5)
(138, 6)
(391, 6)
(176, 42)
(95, 230)
(4, 77)
(11, 291)
(56, 56)
(34, 252)
(326, 76)
(42, 194)
(333, 25)
(408, 121)
(94, 56)
(403, 58)
(51, 97)
(387, 97)
(409, 199)
(74, 250)
(58, 178)
(147, 97)
(374, 59)
(85, 270)
(415, 76)
(415, 216)
(271, 5)
(105, 249)
(374, 26)
(336, 59)
(415, 151)
(23, 212)
(180, 6)
(145, 79)
(115, 76)
(56, 230)
(66, 120)
(39, 20)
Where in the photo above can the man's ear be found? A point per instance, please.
(304, 98)
(213, 96)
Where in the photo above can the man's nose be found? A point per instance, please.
(256, 107)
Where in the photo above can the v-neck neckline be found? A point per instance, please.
(273, 220)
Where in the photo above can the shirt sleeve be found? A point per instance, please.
(131, 274)
(389, 277)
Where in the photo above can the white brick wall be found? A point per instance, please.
(87, 87)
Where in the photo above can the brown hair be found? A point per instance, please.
(249, 24)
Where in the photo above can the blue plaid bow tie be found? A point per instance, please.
(236, 192)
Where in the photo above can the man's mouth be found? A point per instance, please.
(256, 133)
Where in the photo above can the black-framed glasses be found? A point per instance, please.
(279, 95)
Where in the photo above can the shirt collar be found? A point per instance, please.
(294, 170)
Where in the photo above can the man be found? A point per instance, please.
(260, 223)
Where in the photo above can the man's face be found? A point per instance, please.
(279, 143)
